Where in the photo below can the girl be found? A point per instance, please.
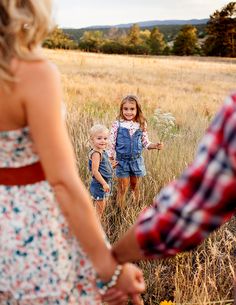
(128, 136)
(47, 221)
(100, 167)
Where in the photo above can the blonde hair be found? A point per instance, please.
(96, 129)
(139, 116)
(24, 24)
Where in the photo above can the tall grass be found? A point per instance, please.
(192, 89)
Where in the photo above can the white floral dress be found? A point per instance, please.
(39, 259)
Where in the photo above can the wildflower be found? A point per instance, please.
(165, 123)
(166, 303)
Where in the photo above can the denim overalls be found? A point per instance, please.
(105, 169)
(129, 153)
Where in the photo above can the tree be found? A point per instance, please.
(156, 42)
(59, 40)
(221, 31)
(133, 36)
(145, 35)
(114, 47)
(91, 41)
(186, 41)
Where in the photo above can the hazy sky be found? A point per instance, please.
(82, 13)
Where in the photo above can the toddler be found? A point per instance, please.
(100, 167)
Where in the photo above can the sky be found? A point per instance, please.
(84, 13)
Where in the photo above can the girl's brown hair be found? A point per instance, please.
(139, 116)
(24, 24)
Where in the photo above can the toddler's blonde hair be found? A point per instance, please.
(24, 24)
(96, 129)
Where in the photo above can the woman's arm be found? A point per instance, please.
(40, 88)
(43, 98)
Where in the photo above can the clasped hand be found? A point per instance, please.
(130, 285)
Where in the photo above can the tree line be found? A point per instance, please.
(218, 39)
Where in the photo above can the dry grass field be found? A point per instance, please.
(192, 90)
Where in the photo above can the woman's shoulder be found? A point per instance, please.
(29, 71)
(45, 67)
(37, 79)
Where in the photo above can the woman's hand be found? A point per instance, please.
(117, 297)
(130, 284)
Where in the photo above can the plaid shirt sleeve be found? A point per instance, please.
(203, 198)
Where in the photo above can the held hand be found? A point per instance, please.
(115, 297)
(130, 284)
(106, 188)
(132, 281)
(114, 163)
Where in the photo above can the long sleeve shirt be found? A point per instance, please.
(203, 198)
(132, 127)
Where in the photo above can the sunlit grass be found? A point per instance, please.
(192, 90)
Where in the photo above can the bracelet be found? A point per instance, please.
(104, 286)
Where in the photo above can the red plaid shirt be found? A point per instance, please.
(203, 198)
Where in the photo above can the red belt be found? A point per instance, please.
(28, 174)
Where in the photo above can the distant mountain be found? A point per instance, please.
(145, 24)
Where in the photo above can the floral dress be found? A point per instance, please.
(39, 258)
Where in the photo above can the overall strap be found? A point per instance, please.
(93, 151)
(117, 130)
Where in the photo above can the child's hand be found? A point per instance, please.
(106, 188)
(159, 146)
(114, 163)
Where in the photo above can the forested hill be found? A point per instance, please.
(152, 23)
(169, 28)
(215, 36)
